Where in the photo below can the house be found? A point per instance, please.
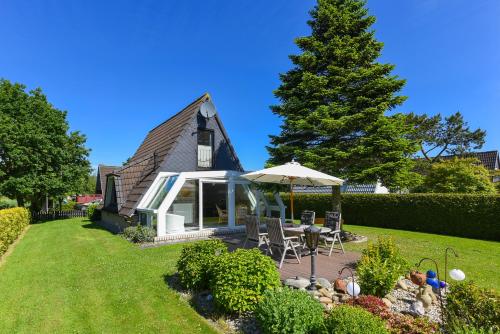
(489, 159)
(184, 177)
(346, 188)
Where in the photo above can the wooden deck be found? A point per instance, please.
(326, 266)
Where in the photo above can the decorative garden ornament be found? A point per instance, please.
(457, 274)
(353, 289)
(418, 278)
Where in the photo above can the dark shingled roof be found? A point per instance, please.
(489, 159)
(139, 173)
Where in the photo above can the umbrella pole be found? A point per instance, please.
(291, 201)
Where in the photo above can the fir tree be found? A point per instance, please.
(334, 102)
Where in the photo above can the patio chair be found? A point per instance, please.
(241, 213)
(307, 217)
(223, 217)
(333, 220)
(252, 227)
(278, 240)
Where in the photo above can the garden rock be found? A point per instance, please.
(387, 302)
(297, 282)
(325, 293)
(402, 285)
(417, 308)
(324, 283)
(391, 298)
(325, 300)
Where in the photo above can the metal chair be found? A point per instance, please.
(253, 234)
(307, 217)
(333, 220)
(278, 240)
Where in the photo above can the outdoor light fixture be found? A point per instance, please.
(353, 288)
(312, 240)
(455, 274)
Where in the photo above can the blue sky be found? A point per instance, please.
(121, 67)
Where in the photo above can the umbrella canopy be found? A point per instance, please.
(292, 173)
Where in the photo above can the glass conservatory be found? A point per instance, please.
(194, 201)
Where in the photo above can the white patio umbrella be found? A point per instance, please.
(293, 173)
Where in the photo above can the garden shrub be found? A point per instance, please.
(240, 279)
(93, 213)
(462, 215)
(70, 205)
(12, 223)
(6, 203)
(195, 263)
(396, 323)
(139, 234)
(380, 266)
(347, 319)
(285, 311)
(472, 306)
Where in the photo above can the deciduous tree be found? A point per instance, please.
(39, 156)
(458, 176)
(437, 136)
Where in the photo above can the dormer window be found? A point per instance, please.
(205, 148)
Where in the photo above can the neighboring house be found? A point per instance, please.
(102, 171)
(185, 176)
(489, 159)
(369, 188)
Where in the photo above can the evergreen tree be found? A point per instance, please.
(334, 102)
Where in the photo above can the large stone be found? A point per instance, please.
(387, 302)
(324, 283)
(417, 308)
(335, 298)
(418, 278)
(391, 298)
(298, 282)
(340, 285)
(402, 284)
(325, 300)
(325, 293)
(344, 298)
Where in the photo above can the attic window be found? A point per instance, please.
(205, 148)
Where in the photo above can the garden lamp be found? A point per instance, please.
(353, 288)
(312, 240)
(455, 274)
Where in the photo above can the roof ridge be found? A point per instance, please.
(204, 96)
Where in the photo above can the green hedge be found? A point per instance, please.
(12, 223)
(463, 215)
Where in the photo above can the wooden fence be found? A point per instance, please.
(53, 215)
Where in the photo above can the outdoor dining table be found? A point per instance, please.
(299, 229)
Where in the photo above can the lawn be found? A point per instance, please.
(480, 260)
(69, 276)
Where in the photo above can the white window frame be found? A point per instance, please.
(231, 178)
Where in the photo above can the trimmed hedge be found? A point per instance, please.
(12, 223)
(463, 215)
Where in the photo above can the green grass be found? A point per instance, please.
(70, 276)
(480, 260)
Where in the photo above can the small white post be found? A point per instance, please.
(231, 204)
(200, 205)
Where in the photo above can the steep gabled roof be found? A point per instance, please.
(139, 173)
(102, 171)
(489, 159)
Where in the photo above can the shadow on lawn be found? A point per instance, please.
(96, 226)
(201, 301)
